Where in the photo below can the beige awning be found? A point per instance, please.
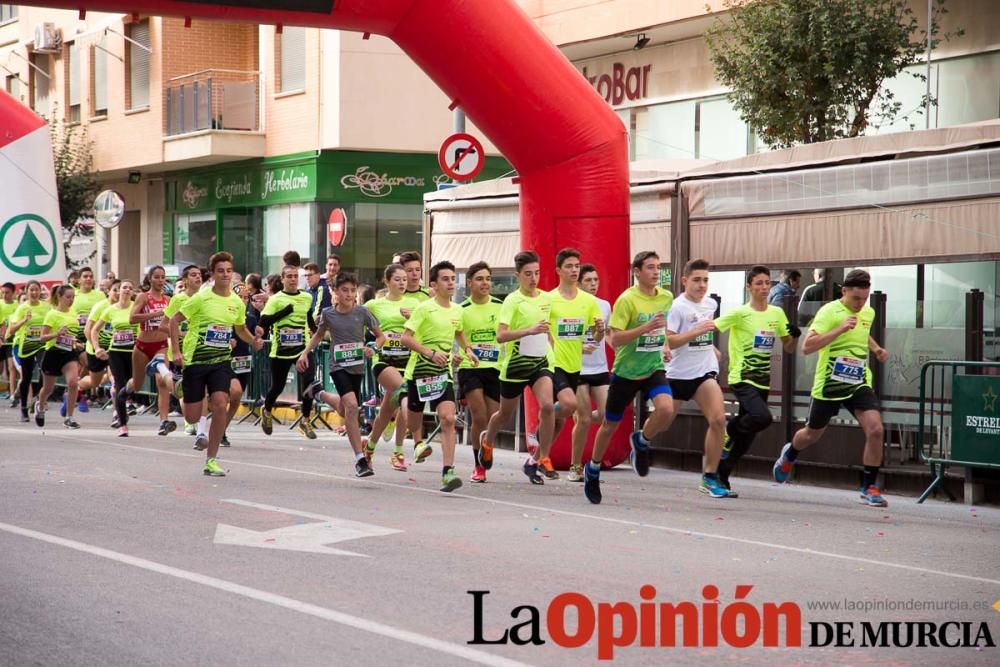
(897, 235)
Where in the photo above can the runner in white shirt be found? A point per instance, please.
(694, 370)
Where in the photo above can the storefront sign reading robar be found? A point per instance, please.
(621, 83)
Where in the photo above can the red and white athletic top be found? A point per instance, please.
(151, 305)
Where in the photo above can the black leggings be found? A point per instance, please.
(279, 377)
(754, 416)
(121, 370)
(27, 370)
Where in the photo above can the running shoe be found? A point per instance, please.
(450, 481)
(83, 405)
(575, 473)
(362, 468)
(123, 432)
(398, 461)
(712, 487)
(131, 409)
(727, 444)
(545, 465)
(166, 427)
(531, 470)
(306, 429)
(640, 454)
(783, 467)
(213, 469)
(39, 415)
(62, 408)
(390, 428)
(371, 402)
(532, 439)
(485, 452)
(178, 387)
(266, 422)
(116, 422)
(201, 442)
(479, 475)
(873, 497)
(70, 423)
(190, 429)
(14, 401)
(225, 441)
(421, 451)
(592, 482)
(24, 417)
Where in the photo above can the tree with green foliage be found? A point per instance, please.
(73, 157)
(803, 71)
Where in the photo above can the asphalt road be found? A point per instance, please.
(120, 552)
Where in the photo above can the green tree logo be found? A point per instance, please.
(39, 258)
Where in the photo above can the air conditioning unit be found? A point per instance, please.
(48, 38)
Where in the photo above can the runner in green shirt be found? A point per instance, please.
(60, 330)
(88, 302)
(523, 327)
(113, 336)
(391, 311)
(288, 322)
(215, 315)
(25, 325)
(574, 313)
(637, 332)
(413, 265)
(191, 277)
(480, 385)
(7, 307)
(431, 332)
(754, 328)
(841, 333)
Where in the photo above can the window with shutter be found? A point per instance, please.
(138, 66)
(292, 74)
(73, 83)
(40, 84)
(8, 13)
(99, 60)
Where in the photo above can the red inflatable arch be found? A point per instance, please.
(570, 150)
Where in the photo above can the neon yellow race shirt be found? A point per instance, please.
(753, 335)
(842, 367)
(642, 356)
(569, 321)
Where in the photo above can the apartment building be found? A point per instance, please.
(238, 136)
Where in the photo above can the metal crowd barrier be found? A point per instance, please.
(959, 419)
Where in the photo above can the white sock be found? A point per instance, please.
(203, 425)
(359, 456)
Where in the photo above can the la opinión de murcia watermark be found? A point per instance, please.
(572, 619)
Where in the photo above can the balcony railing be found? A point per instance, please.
(214, 99)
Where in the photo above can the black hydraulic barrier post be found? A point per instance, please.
(877, 302)
(974, 344)
(790, 306)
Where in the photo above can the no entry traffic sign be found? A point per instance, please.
(461, 157)
(336, 227)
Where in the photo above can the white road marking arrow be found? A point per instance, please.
(310, 537)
